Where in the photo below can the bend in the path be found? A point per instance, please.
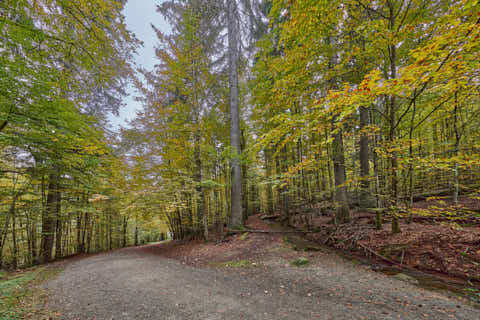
(132, 284)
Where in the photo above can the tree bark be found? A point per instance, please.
(49, 220)
(136, 233)
(124, 238)
(343, 211)
(236, 183)
(59, 227)
(365, 196)
(4, 232)
(392, 136)
(268, 170)
(14, 238)
(456, 183)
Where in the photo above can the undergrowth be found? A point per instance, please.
(17, 287)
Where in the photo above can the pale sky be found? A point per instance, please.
(140, 14)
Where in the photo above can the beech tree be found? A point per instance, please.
(59, 60)
(295, 109)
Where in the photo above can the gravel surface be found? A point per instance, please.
(132, 284)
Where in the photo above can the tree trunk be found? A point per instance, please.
(268, 170)
(136, 233)
(59, 227)
(4, 232)
(236, 183)
(365, 196)
(342, 214)
(80, 245)
(14, 237)
(200, 197)
(392, 135)
(125, 225)
(410, 154)
(49, 220)
(343, 211)
(456, 183)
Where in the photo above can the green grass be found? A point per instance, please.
(17, 286)
(244, 236)
(301, 261)
(13, 289)
(238, 264)
(239, 228)
(473, 294)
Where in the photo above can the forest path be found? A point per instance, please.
(132, 283)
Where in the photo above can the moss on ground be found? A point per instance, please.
(301, 261)
(238, 264)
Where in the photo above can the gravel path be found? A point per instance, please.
(132, 284)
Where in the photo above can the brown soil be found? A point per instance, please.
(240, 246)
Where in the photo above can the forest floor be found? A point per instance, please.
(246, 276)
(439, 240)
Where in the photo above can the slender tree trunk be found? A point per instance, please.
(268, 170)
(410, 154)
(49, 220)
(392, 135)
(456, 183)
(202, 220)
(59, 227)
(33, 231)
(110, 230)
(14, 239)
(80, 246)
(136, 233)
(329, 169)
(365, 195)
(342, 214)
(286, 188)
(338, 156)
(236, 183)
(244, 169)
(4, 232)
(88, 232)
(125, 225)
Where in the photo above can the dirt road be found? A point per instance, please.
(133, 284)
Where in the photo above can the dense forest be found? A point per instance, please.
(290, 108)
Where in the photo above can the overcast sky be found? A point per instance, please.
(140, 14)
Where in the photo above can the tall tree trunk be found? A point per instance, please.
(456, 183)
(392, 136)
(365, 196)
(329, 171)
(49, 220)
(88, 232)
(245, 193)
(202, 221)
(410, 153)
(338, 156)
(59, 227)
(136, 232)
(4, 231)
(124, 238)
(110, 229)
(236, 183)
(342, 214)
(33, 232)
(80, 246)
(14, 238)
(268, 170)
